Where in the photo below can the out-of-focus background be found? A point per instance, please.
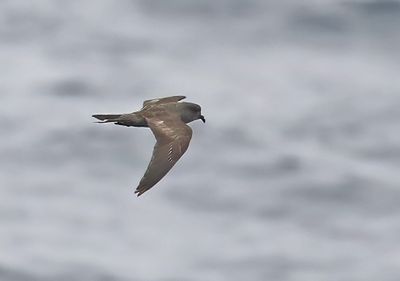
(294, 177)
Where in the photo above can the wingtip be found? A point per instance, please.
(138, 192)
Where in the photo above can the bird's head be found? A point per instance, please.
(190, 112)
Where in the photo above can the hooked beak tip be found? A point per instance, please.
(202, 118)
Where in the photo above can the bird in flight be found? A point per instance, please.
(167, 118)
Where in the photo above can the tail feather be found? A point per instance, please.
(130, 119)
(105, 118)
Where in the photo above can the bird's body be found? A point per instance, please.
(167, 118)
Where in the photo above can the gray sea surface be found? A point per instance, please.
(294, 177)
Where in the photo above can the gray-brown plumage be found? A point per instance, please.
(167, 118)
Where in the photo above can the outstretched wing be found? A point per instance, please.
(173, 137)
(163, 100)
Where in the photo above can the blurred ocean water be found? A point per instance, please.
(295, 175)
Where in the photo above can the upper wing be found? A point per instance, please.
(163, 100)
(173, 137)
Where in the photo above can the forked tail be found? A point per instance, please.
(106, 118)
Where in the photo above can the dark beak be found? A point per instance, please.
(202, 118)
